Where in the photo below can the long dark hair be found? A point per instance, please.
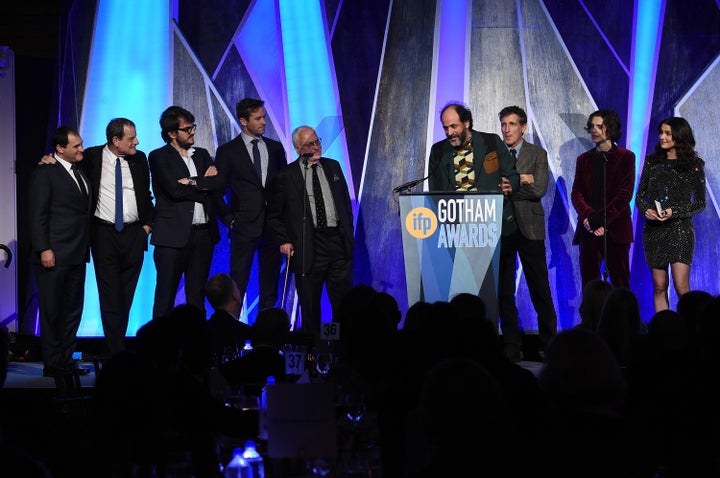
(684, 143)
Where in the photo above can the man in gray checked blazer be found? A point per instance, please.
(528, 241)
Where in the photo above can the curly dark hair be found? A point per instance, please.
(684, 139)
(611, 120)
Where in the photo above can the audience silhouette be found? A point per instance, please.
(269, 332)
(593, 298)
(614, 397)
(620, 324)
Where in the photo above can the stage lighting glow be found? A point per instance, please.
(647, 35)
(310, 77)
(128, 77)
(453, 21)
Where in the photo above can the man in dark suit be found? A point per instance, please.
(604, 222)
(248, 165)
(528, 241)
(185, 230)
(59, 218)
(227, 333)
(311, 217)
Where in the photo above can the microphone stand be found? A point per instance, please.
(605, 236)
(304, 162)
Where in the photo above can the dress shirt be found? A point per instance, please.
(516, 148)
(327, 194)
(105, 209)
(67, 165)
(199, 216)
(262, 147)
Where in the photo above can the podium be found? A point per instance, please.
(451, 245)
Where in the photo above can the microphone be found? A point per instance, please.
(304, 158)
(409, 185)
(415, 182)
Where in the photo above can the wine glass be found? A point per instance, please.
(323, 362)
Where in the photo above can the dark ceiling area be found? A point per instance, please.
(30, 27)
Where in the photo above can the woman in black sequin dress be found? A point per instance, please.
(671, 191)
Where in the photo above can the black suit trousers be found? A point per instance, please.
(61, 292)
(191, 262)
(118, 258)
(332, 268)
(532, 258)
(242, 253)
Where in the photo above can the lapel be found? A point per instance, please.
(95, 167)
(88, 186)
(178, 162)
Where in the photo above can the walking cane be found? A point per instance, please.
(287, 270)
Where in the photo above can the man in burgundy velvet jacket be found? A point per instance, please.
(604, 226)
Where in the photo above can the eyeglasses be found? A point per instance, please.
(188, 129)
(312, 144)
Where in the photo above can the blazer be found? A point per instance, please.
(175, 202)
(620, 176)
(59, 215)
(288, 212)
(140, 172)
(527, 199)
(247, 198)
(492, 162)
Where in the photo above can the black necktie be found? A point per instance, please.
(119, 224)
(320, 215)
(513, 153)
(79, 179)
(256, 158)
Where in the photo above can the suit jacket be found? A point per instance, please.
(492, 162)
(59, 215)
(247, 198)
(140, 172)
(175, 202)
(289, 205)
(226, 331)
(527, 199)
(620, 176)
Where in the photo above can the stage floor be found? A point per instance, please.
(30, 375)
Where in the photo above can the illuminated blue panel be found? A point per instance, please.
(452, 49)
(261, 22)
(310, 77)
(646, 40)
(127, 77)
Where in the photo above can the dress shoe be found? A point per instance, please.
(75, 370)
(49, 371)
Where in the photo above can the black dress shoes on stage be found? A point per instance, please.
(73, 369)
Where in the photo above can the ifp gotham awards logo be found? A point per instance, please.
(421, 222)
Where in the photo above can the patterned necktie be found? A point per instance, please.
(119, 224)
(320, 215)
(256, 158)
(464, 169)
(79, 179)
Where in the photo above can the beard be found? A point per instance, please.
(186, 144)
(459, 139)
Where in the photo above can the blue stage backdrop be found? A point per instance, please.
(372, 77)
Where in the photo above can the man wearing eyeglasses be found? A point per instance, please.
(310, 214)
(248, 165)
(185, 229)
